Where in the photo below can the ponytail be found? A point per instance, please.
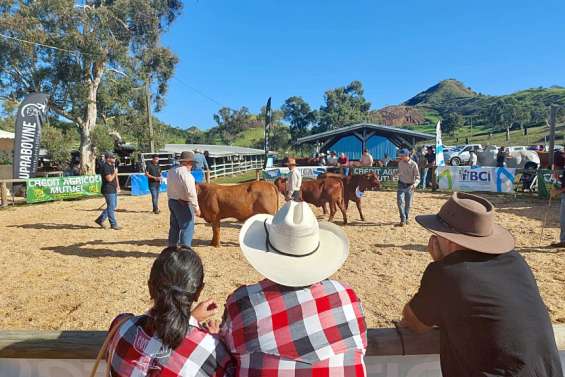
(175, 280)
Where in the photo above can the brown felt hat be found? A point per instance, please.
(186, 156)
(468, 220)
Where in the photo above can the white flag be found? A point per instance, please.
(440, 161)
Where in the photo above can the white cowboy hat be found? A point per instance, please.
(291, 248)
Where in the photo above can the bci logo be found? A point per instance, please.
(475, 176)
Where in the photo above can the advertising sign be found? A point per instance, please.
(475, 178)
(59, 188)
(386, 175)
(308, 172)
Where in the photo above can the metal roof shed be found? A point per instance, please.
(378, 139)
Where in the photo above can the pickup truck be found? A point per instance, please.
(459, 155)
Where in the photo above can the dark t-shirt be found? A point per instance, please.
(500, 159)
(431, 158)
(491, 317)
(155, 171)
(108, 187)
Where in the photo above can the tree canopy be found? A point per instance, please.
(101, 52)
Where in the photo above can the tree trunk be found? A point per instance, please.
(87, 155)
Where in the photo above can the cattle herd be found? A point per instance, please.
(244, 200)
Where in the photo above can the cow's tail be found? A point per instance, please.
(276, 196)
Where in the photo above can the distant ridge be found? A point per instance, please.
(446, 90)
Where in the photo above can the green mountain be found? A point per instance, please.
(442, 92)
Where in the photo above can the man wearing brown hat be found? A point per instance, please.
(294, 181)
(482, 295)
(183, 201)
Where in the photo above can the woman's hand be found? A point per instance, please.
(205, 310)
(213, 326)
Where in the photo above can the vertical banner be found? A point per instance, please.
(440, 161)
(31, 115)
(268, 120)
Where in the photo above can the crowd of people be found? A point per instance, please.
(296, 321)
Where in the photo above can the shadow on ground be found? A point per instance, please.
(408, 247)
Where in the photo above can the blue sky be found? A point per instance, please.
(238, 53)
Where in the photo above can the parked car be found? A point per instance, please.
(516, 148)
(460, 154)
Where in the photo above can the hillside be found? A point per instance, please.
(444, 91)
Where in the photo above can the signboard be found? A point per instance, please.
(308, 172)
(546, 182)
(29, 119)
(59, 188)
(140, 182)
(476, 178)
(387, 176)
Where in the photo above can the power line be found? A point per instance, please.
(44, 45)
(196, 90)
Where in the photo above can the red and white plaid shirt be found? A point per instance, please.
(136, 351)
(277, 331)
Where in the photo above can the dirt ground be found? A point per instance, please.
(61, 271)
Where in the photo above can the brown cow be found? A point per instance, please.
(351, 184)
(320, 192)
(242, 201)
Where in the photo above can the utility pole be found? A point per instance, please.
(148, 114)
(552, 121)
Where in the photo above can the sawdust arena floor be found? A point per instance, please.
(59, 270)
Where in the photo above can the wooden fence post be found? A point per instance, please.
(257, 174)
(3, 194)
(207, 176)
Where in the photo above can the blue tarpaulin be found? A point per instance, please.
(140, 183)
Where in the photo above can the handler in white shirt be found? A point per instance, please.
(183, 201)
(294, 182)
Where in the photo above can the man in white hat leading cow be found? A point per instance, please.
(295, 322)
(183, 201)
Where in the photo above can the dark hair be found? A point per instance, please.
(155, 156)
(174, 283)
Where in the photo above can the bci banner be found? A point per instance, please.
(467, 178)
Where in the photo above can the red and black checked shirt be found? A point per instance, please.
(136, 351)
(277, 331)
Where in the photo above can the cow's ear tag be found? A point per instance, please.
(359, 193)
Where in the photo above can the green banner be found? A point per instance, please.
(59, 188)
(546, 181)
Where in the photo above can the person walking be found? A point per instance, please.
(482, 295)
(559, 170)
(473, 160)
(294, 182)
(153, 173)
(408, 179)
(296, 322)
(424, 165)
(183, 201)
(110, 189)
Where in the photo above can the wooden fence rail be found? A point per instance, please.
(85, 344)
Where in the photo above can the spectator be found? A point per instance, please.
(559, 171)
(473, 160)
(408, 179)
(110, 189)
(208, 159)
(322, 159)
(294, 181)
(168, 339)
(386, 160)
(366, 158)
(200, 162)
(295, 322)
(332, 159)
(501, 157)
(482, 295)
(153, 173)
(183, 201)
(343, 160)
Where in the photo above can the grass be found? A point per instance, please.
(536, 135)
(249, 137)
(240, 178)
